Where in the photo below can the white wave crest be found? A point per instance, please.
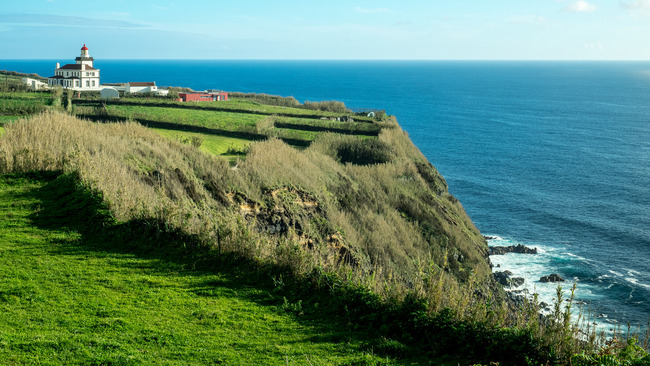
(636, 282)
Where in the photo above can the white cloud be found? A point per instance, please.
(636, 7)
(597, 46)
(580, 6)
(371, 11)
(637, 4)
(64, 20)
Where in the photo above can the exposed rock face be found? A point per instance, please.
(516, 281)
(515, 299)
(552, 278)
(521, 249)
(506, 280)
(502, 277)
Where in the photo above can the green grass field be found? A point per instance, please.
(25, 95)
(209, 119)
(236, 105)
(71, 293)
(212, 144)
(4, 120)
(23, 103)
(221, 130)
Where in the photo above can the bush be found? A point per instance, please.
(327, 106)
(363, 152)
(266, 99)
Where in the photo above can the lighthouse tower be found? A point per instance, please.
(84, 58)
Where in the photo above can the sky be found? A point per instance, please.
(305, 29)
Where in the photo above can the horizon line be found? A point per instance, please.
(325, 59)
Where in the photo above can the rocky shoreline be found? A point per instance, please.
(519, 248)
(517, 298)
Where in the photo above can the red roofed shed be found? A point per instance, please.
(203, 97)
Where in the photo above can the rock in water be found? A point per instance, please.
(505, 279)
(502, 277)
(520, 249)
(516, 281)
(552, 278)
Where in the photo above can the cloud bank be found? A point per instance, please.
(62, 20)
(581, 6)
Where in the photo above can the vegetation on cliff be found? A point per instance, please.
(360, 223)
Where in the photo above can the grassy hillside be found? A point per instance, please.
(356, 221)
(354, 212)
(73, 291)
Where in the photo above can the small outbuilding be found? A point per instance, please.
(203, 97)
(109, 93)
(35, 84)
(141, 87)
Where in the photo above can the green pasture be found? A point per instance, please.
(209, 119)
(80, 292)
(211, 144)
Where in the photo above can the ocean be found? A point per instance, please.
(552, 155)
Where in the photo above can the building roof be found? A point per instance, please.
(84, 47)
(63, 77)
(75, 67)
(147, 83)
(194, 93)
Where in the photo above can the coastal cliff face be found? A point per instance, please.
(378, 203)
(372, 207)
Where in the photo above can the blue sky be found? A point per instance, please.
(431, 29)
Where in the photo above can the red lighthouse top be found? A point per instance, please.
(84, 48)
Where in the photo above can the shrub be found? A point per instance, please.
(266, 99)
(327, 106)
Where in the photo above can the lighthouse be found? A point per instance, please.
(78, 76)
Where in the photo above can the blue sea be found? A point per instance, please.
(553, 155)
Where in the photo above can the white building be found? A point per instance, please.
(109, 93)
(145, 87)
(34, 84)
(78, 76)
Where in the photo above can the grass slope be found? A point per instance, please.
(211, 144)
(74, 295)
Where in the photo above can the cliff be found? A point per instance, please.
(375, 206)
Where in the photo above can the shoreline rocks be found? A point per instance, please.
(506, 280)
(554, 277)
(519, 248)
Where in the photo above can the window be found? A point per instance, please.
(88, 83)
(93, 82)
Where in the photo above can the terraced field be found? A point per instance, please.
(227, 128)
